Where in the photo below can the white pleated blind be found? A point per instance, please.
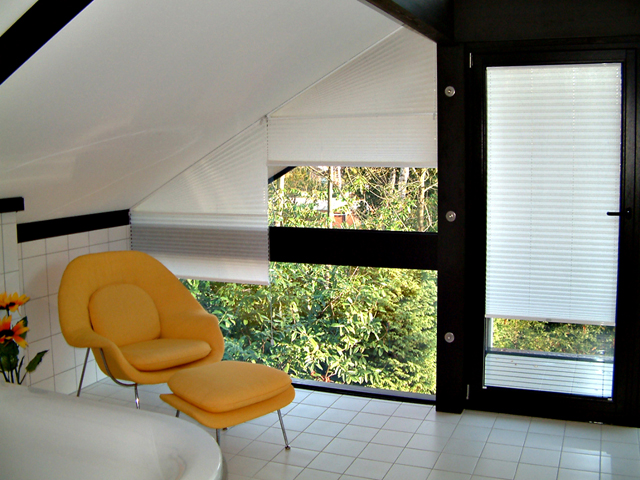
(553, 159)
(377, 110)
(210, 222)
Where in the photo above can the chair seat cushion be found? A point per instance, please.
(164, 353)
(226, 386)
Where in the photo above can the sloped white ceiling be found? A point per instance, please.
(130, 94)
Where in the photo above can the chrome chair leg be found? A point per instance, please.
(284, 432)
(135, 388)
(122, 384)
(84, 368)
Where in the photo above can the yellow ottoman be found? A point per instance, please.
(224, 394)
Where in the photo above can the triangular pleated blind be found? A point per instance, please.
(379, 109)
(210, 222)
(553, 173)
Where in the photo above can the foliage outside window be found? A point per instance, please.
(563, 338)
(352, 325)
(398, 199)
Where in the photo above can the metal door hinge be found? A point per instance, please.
(467, 391)
(470, 60)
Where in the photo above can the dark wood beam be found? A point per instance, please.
(432, 18)
(35, 28)
(365, 248)
(14, 204)
(70, 225)
(452, 230)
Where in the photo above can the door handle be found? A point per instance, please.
(625, 214)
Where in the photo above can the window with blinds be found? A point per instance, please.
(553, 173)
(210, 222)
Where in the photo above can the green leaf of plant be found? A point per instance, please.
(35, 361)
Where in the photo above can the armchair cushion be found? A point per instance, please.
(124, 313)
(164, 353)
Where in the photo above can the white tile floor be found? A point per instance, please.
(339, 437)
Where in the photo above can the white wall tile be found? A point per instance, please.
(9, 217)
(99, 236)
(37, 312)
(77, 252)
(89, 374)
(10, 247)
(118, 233)
(119, 246)
(78, 240)
(34, 271)
(33, 248)
(56, 263)
(54, 319)
(65, 382)
(99, 374)
(80, 354)
(1, 254)
(102, 247)
(57, 244)
(47, 384)
(12, 282)
(45, 369)
(64, 356)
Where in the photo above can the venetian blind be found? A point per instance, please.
(553, 160)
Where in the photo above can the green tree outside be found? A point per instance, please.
(362, 326)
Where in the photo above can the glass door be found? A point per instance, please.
(553, 182)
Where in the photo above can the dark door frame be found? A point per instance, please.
(461, 271)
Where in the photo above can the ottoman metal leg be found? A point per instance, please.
(284, 432)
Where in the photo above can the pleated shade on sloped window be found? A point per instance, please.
(379, 109)
(210, 222)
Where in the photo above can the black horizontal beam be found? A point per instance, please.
(365, 248)
(35, 28)
(14, 204)
(70, 225)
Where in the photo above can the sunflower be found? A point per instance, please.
(7, 333)
(13, 301)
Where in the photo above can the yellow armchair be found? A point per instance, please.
(142, 324)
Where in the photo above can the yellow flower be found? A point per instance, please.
(12, 302)
(7, 333)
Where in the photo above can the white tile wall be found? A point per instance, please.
(40, 265)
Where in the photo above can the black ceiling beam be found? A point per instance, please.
(432, 18)
(35, 28)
